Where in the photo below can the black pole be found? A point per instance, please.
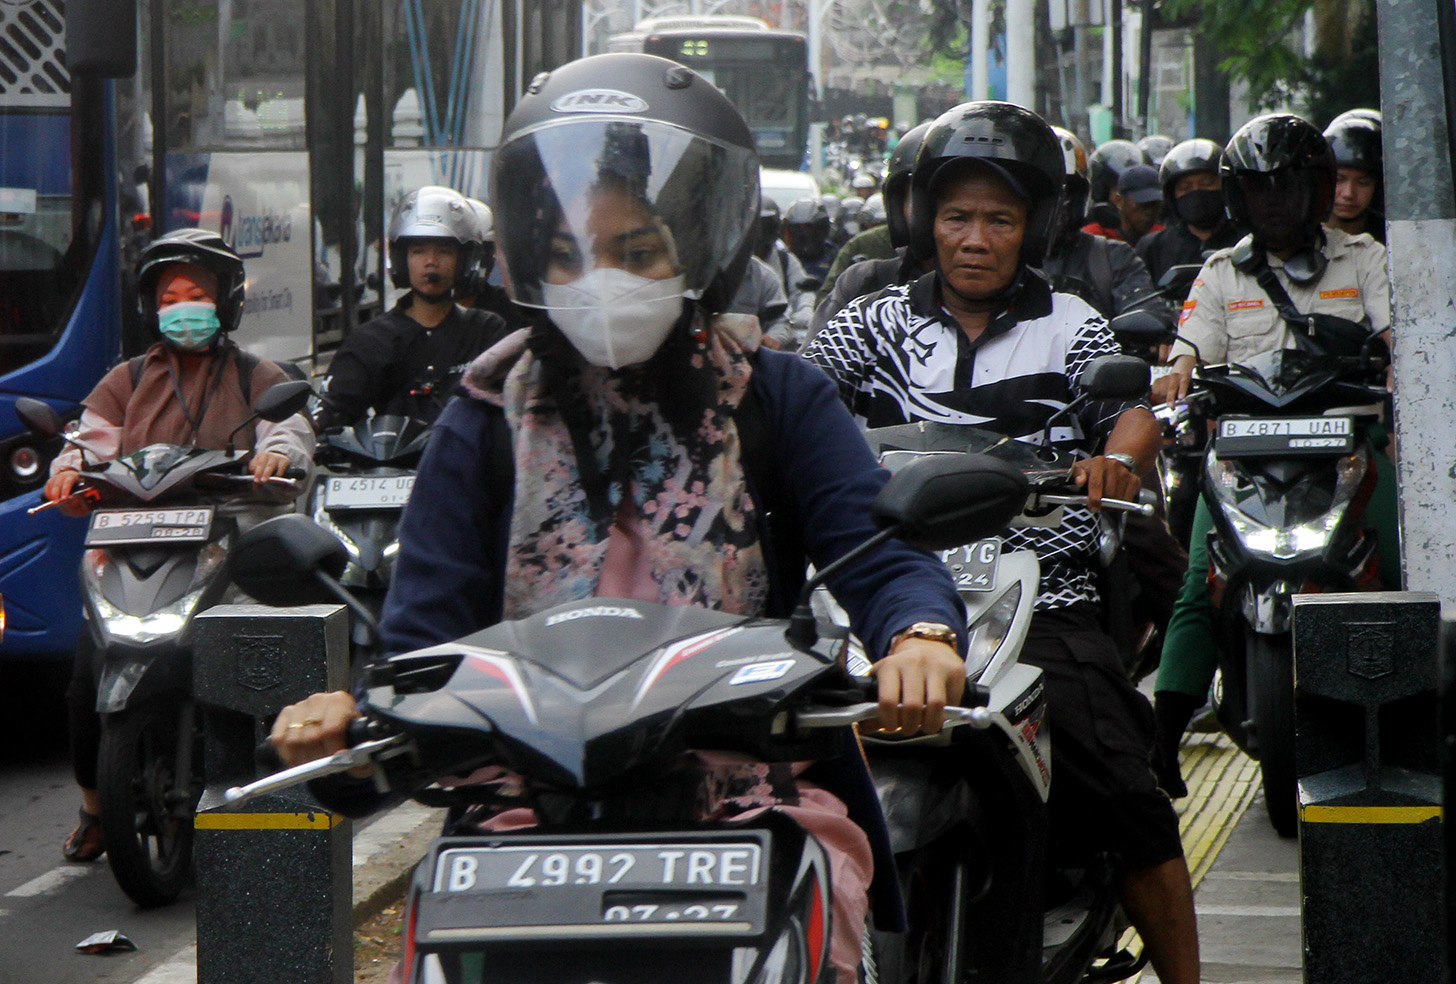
(1114, 24)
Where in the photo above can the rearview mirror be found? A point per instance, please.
(1181, 275)
(282, 400)
(1140, 326)
(277, 560)
(1116, 377)
(945, 500)
(39, 417)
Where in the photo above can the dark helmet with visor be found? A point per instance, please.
(897, 182)
(1356, 142)
(1013, 142)
(433, 212)
(197, 247)
(808, 223)
(1279, 179)
(625, 138)
(1107, 163)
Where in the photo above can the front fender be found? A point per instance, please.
(127, 678)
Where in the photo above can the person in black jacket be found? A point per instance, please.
(1193, 197)
(409, 360)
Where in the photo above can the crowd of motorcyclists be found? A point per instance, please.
(591, 414)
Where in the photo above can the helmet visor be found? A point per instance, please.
(637, 195)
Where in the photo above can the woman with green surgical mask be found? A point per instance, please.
(193, 386)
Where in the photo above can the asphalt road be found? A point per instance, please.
(48, 905)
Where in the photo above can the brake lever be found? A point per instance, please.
(341, 761)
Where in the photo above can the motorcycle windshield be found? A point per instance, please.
(899, 445)
(382, 439)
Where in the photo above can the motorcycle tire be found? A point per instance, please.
(1271, 674)
(918, 955)
(146, 808)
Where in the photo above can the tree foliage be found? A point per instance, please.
(1263, 46)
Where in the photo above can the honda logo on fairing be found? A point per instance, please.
(598, 611)
(599, 101)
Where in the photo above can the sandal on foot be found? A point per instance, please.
(85, 842)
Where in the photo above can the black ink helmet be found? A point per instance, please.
(897, 182)
(1188, 157)
(1107, 163)
(1289, 158)
(433, 212)
(1015, 142)
(199, 248)
(649, 129)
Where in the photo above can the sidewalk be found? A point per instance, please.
(385, 853)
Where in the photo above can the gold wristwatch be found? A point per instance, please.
(926, 630)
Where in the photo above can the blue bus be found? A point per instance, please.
(289, 128)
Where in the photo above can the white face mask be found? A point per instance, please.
(615, 318)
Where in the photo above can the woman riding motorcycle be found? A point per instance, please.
(603, 451)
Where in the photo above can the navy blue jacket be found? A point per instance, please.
(448, 577)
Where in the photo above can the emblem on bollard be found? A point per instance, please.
(260, 661)
(1370, 649)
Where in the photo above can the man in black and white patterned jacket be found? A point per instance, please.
(984, 340)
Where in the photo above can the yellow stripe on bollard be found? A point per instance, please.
(267, 821)
(1369, 814)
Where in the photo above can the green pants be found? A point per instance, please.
(1190, 649)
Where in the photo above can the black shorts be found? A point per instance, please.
(1103, 794)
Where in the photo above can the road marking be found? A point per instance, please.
(181, 968)
(50, 881)
(1286, 911)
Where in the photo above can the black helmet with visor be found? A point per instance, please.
(1013, 142)
(1279, 180)
(1107, 163)
(634, 141)
(197, 247)
(1195, 156)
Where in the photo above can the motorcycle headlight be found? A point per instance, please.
(1231, 489)
(988, 632)
(321, 516)
(166, 621)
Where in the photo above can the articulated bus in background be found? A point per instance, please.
(289, 128)
(764, 72)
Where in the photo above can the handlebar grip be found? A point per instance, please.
(296, 473)
(267, 756)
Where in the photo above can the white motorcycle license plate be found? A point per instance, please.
(555, 887)
(352, 492)
(974, 565)
(118, 527)
(1246, 437)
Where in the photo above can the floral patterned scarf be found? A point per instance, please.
(686, 494)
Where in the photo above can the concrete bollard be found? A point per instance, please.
(274, 877)
(1370, 831)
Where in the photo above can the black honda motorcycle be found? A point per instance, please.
(1287, 479)
(163, 521)
(595, 705)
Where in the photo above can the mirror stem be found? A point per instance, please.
(802, 630)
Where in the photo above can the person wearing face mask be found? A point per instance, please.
(1193, 197)
(408, 360)
(635, 442)
(194, 386)
(1279, 178)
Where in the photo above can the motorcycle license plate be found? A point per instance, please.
(714, 883)
(348, 492)
(1240, 437)
(117, 527)
(974, 565)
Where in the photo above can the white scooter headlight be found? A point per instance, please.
(989, 631)
(166, 621)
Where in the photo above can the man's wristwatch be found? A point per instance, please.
(926, 630)
(1126, 460)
